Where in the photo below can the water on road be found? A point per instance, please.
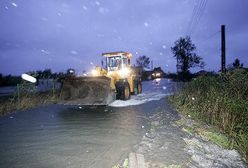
(78, 136)
(73, 136)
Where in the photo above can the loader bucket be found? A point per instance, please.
(87, 91)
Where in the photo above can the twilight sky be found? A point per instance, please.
(62, 34)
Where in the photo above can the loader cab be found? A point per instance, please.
(117, 61)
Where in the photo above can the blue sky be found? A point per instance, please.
(62, 34)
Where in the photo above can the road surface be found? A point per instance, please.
(76, 136)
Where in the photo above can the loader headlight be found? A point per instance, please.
(110, 73)
(124, 72)
(94, 72)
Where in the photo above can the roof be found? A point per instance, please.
(119, 53)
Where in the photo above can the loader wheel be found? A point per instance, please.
(139, 88)
(125, 92)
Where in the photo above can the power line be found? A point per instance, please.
(192, 17)
(195, 18)
(201, 12)
(197, 13)
(210, 36)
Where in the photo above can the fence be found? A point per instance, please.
(26, 95)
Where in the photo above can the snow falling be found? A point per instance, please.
(14, 4)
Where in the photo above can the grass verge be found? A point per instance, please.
(25, 101)
(221, 101)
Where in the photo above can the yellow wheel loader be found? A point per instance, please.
(116, 79)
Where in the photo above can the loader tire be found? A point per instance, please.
(139, 88)
(124, 91)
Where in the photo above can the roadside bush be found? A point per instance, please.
(25, 97)
(221, 101)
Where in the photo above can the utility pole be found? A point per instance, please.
(223, 49)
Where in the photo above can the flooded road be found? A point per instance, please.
(56, 136)
(76, 136)
(69, 136)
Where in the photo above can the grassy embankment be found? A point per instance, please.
(25, 98)
(221, 101)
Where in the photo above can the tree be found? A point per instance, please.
(236, 64)
(184, 51)
(143, 61)
(47, 73)
(39, 74)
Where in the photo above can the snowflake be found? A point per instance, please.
(85, 8)
(14, 4)
(44, 19)
(146, 24)
(45, 51)
(164, 46)
(74, 52)
(97, 3)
